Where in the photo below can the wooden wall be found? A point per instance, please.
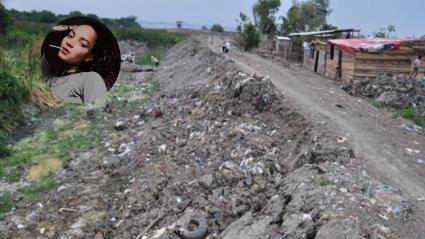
(283, 48)
(297, 52)
(362, 65)
(348, 63)
(310, 62)
(372, 65)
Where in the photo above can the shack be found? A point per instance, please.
(282, 46)
(346, 59)
(303, 45)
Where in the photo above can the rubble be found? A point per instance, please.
(393, 92)
(226, 145)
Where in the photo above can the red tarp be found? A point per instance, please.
(353, 46)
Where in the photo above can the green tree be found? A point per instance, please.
(384, 32)
(264, 11)
(390, 28)
(217, 28)
(327, 26)
(5, 20)
(94, 16)
(381, 33)
(47, 17)
(248, 33)
(75, 14)
(306, 16)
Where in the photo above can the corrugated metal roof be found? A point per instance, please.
(283, 38)
(297, 34)
(352, 46)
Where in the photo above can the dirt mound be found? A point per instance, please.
(395, 93)
(223, 144)
(131, 46)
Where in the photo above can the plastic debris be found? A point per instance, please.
(412, 151)
(20, 226)
(397, 210)
(341, 139)
(386, 187)
(120, 125)
(369, 192)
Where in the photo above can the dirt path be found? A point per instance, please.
(376, 135)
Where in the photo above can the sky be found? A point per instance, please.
(366, 15)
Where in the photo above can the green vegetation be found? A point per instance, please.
(325, 181)
(151, 37)
(217, 28)
(6, 203)
(248, 33)
(307, 15)
(26, 195)
(264, 11)
(146, 58)
(51, 18)
(132, 93)
(37, 157)
(5, 20)
(21, 35)
(411, 114)
(385, 32)
(56, 141)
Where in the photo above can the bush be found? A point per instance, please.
(5, 20)
(12, 94)
(251, 37)
(248, 33)
(151, 37)
(217, 28)
(411, 114)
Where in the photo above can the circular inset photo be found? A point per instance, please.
(80, 60)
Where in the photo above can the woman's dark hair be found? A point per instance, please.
(106, 53)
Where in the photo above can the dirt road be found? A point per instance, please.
(376, 135)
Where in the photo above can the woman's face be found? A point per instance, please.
(77, 46)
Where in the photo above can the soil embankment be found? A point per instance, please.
(221, 140)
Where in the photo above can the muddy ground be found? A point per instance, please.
(222, 142)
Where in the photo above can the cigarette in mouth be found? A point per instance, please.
(55, 46)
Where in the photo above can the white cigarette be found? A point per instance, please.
(55, 46)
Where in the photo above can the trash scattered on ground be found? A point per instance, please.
(223, 144)
(412, 151)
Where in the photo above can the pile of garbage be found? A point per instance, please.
(217, 153)
(396, 93)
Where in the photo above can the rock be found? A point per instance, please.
(112, 161)
(120, 125)
(263, 102)
(299, 226)
(387, 98)
(108, 108)
(338, 229)
(207, 180)
(91, 114)
(263, 225)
